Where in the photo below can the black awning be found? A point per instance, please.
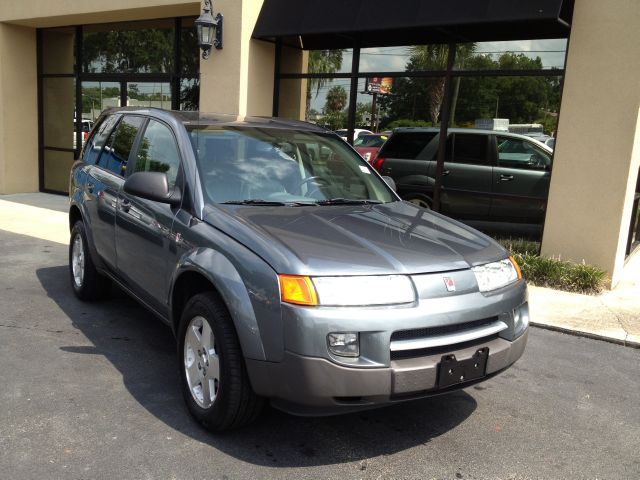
(328, 24)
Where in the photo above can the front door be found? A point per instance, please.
(520, 181)
(143, 227)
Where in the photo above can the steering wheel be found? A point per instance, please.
(315, 179)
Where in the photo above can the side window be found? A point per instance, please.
(470, 149)
(117, 150)
(97, 140)
(518, 153)
(407, 145)
(158, 152)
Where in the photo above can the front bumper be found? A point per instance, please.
(400, 347)
(316, 386)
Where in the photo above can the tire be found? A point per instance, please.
(418, 199)
(213, 375)
(87, 283)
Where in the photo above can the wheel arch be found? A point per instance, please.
(196, 275)
(74, 215)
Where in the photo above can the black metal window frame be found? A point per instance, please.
(173, 78)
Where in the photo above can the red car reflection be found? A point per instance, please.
(369, 145)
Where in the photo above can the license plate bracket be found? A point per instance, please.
(453, 371)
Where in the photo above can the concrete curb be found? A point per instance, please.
(579, 333)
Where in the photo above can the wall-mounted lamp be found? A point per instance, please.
(209, 30)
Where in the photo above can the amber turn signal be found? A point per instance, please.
(297, 289)
(516, 266)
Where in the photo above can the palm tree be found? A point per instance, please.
(321, 61)
(336, 99)
(434, 57)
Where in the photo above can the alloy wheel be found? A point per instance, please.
(77, 261)
(201, 362)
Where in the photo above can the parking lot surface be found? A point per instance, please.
(91, 391)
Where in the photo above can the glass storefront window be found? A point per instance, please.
(58, 100)
(149, 94)
(511, 55)
(189, 49)
(132, 47)
(412, 102)
(525, 100)
(431, 57)
(326, 62)
(189, 94)
(96, 96)
(123, 54)
(324, 101)
(57, 166)
(373, 98)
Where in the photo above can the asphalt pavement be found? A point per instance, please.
(90, 391)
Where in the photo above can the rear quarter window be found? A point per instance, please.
(96, 141)
(407, 145)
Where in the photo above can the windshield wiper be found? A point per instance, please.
(269, 203)
(254, 201)
(347, 201)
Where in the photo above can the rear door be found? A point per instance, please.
(97, 187)
(108, 179)
(407, 156)
(466, 177)
(520, 181)
(143, 227)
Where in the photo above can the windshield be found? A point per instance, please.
(273, 166)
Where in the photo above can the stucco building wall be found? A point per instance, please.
(597, 153)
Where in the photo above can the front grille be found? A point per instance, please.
(440, 330)
(425, 352)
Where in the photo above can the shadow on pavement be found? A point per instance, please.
(142, 349)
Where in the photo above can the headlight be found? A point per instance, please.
(347, 291)
(492, 276)
(351, 291)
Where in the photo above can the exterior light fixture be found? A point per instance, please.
(209, 30)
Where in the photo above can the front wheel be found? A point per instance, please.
(87, 282)
(215, 384)
(418, 199)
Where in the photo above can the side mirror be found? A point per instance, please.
(391, 182)
(152, 186)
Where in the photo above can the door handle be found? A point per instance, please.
(446, 172)
(125, 205)
(506, 178)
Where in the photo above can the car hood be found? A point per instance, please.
(389, 238)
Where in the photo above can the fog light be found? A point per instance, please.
(520, 320)
(344, 344)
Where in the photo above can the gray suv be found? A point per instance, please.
(287, 267)
(488, 176)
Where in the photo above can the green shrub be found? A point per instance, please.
(406, 122)
(520, 245)
(554, 272)
(560, 274)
